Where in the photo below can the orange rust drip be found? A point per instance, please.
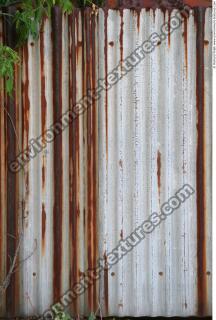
(92, 156)
(74, 162)
(43, 228)
(58, 172)
(138, 19)
(159, 171)
(200, 169)
(185, 44)
(106, 74)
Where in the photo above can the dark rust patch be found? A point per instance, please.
(200, 164)
(160, 273)
(159, 171)
(206, 42)
(153, 4)
(57, 112)
(43, 228)
(121, 234)
(111, 43)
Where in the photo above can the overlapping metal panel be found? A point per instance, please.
(111, 168)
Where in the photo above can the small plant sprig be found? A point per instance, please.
(8, 59)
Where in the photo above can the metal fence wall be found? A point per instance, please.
(114, 166)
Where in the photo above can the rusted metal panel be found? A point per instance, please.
(112, 167)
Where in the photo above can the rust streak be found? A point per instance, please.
(106, 74)
(74, 158)
(58, 171)
(185, 44)
(200, 169)
(43, 228)
(106, 285)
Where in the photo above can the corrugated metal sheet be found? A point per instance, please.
(113, 167)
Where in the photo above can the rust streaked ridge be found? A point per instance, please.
(200, 169)
(58, 174)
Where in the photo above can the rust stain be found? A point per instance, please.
(160, 273)
(121, 234)
(106, 74)
(111, 43)
(58, 172)
(153, 4)
(74, 159)
(138, 10)
(206, 42)
(169, 17)
(43, 228)
(43, 98)
(185, 44)
(200, 163)
(121, 35)
(159, 171)
(106, 285)
(92, 155)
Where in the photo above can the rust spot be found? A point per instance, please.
(106, 285)
(121, 234)
(120, 163)
(159, 171)
(32, 44)
(111, 43)
(43, 227)
(159, 42)
(112, 274)
(206, 42)
(34, 274)
(57, 112)
(160, 273)
(208, 273)
(199, 14)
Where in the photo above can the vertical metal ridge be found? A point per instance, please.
(74, 143)
(201, 165)
(57, 109)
